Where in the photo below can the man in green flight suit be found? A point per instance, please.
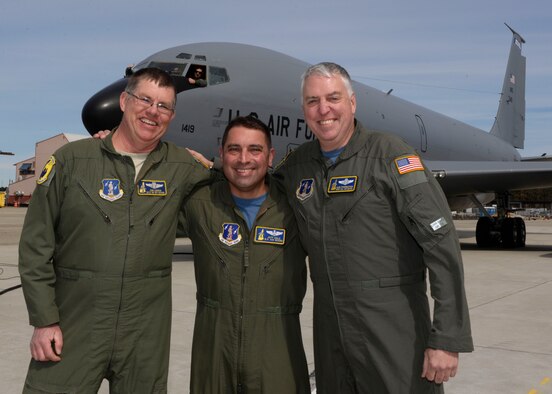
(374, 222)
(250, 273)
(96, 251)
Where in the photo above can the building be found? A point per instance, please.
(28, 171)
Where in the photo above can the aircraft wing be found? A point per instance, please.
(469, 177)
(543, 157)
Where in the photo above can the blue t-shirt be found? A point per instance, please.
(249, 207)
(333, 154)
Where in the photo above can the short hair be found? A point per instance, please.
(249, 122)
(328, 70)
(153, 74)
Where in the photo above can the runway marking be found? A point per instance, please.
(511, 294)
(545, 381)
(512, 350)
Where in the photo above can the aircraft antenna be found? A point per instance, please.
(515, 33)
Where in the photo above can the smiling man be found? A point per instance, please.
(96, 251)
(375, 223)
(250, 274)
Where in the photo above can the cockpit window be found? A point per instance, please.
(138, 66)
(218, 75)
(174, 69)
(200, 57)
(196, 75)
(183, 55)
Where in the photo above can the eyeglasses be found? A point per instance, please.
(146, 102)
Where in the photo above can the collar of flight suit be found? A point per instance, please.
(155, 156)
(357, 142)
(222, 189)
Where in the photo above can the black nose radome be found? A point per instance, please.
(102, 111)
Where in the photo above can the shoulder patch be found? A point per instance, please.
(410, 171)
(410, 163)
(47, 172)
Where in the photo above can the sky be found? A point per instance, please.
(447, 56)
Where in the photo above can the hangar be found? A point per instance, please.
(27, 171)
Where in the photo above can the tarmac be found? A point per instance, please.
(509, 293)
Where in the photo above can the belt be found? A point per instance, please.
(393, 281)
(74, 274)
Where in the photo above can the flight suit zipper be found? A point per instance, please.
(130, 179)
(325, 197)
(129, 164)
(242, 300)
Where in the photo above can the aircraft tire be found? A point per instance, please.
(509, 233)
(521, 232)
(483, 232)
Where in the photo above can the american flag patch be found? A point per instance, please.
(406, 164)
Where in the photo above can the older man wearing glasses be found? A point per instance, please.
(96, 251)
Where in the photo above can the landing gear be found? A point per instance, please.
(506, 232)
(512, 233)
(521, 232)
(484, 234)
(502, 230)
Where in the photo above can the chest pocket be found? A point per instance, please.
(80, 191)
(357, 204)
(217, 266)
(210, 241)
(159, 203)
(365, 233)
(307, 215)
(282, 278)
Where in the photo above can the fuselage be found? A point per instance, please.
(245, 79)
(470, 164)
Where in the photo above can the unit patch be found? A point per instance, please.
(230, 234)
(305, 189)
(436, 225)
(111, 189)
(148, 187)
(269, 235)
(47, 171)
(342, 184)
(406, 164)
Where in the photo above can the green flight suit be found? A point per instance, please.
(373, 223)
(250, 288)
(95, 255)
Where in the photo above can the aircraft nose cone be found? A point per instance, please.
(102, 110)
